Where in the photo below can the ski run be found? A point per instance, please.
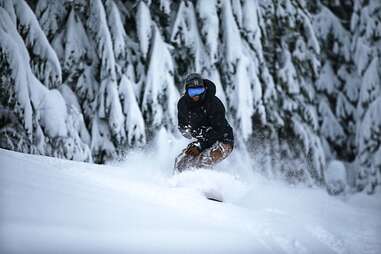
(50, 205)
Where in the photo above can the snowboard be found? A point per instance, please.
(213, 196)
(216, 200)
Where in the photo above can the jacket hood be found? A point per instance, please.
(210, 88)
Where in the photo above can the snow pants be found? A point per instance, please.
(204, 159)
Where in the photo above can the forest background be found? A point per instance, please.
(93, 80)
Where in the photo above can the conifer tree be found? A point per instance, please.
(294, 67)
(337, 84)
(366, 29)
(39, 115)
(160, 94)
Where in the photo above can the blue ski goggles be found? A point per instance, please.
(195, 91)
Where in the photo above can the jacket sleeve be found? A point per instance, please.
(183, 120)
(220, 128)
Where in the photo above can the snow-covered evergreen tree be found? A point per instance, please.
(45, 64)
(239, 72)
(366, 46)
(337, 83)
(134, 122)
(97, 57)
(294, 65)
(34, 118)
(160, 94)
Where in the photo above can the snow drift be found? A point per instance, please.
(50, 205)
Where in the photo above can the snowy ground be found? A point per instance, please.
(49, 205)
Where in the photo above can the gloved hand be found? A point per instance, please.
(193, 150)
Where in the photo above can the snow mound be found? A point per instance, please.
(335, 177)
(209, 182)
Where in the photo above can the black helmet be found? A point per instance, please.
(193, 80)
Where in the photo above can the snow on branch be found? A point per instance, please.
(77, 44)
(185, 33)
(97, 24)
(45, 62)
(144, 27)
(118, 34)
(160, 95)
(207, 11)
(134, 122)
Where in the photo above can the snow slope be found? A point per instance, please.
(49, 205)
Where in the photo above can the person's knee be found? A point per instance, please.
(228, 148)
(221, 151)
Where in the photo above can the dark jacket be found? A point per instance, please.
(205, 119)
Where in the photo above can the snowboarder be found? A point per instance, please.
(201, 115)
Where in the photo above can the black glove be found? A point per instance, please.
(193, 150)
